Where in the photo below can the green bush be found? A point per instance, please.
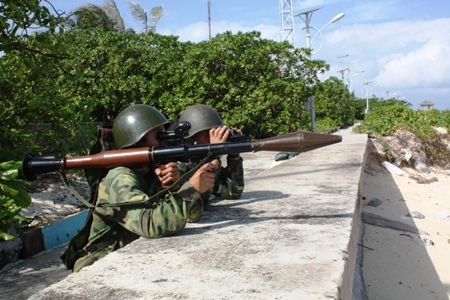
(333, 102)
(386, 119)
(254, 83)
(327, 125)
(390, 117)
(12, 199)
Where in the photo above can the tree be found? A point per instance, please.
(108, 17)
(140, 14)
(27, 30)
(255, 83)
(90, 16)
(333, 101)
(20, 19)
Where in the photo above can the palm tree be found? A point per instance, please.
(111, 10)
(140, 14)
(107, 16)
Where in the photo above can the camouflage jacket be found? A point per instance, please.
(229, 183)
(114, 227)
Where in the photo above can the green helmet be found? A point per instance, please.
(134, 122)
(202, 117)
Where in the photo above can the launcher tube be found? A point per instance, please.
(133, 157)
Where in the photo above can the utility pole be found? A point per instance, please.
(367, 90)
(362, 83)
(209, 18)
(346, 69)
(306, 17)
(342, 73)
(287, 21)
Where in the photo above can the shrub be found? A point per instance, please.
(12, 199)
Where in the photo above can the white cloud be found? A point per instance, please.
(411, 57)
(361, 11)
(405, 57)
(195, 32)
(199, 31)
(427, 66)
(307, 4)
(367, 11)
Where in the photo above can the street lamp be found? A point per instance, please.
(306, 17)
(319, 31)
(362, 83)
(367, 94)
(350, 82)
(397, 96)
(346, 70)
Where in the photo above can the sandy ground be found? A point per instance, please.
(413, 264)
(50, 199)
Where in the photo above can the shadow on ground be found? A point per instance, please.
(395, 258)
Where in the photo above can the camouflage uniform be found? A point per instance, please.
(123, 197)
(115, 227)
(229, 184)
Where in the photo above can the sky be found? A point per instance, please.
(392, 48)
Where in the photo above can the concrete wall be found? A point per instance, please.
(292, 235)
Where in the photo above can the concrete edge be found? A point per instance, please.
(35, 240)
(346, 289)
(359, 289)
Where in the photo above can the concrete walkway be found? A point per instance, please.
(293, 235)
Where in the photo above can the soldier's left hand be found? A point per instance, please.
(238, 131)
(168, 174)
(218, 135)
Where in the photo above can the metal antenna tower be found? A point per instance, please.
(209, 18)
(287, 21)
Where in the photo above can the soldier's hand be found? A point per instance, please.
(214, 165)
(238, 131)
(203, 179)
(168, 174)
(235, 156)
(218, 135)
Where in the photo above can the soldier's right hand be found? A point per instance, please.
(203, 179)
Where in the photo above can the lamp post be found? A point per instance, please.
(346, 70)
(306, 17)
(367, 94)
(342, 73)
(362, 84)
(397, 96)
(350, 82)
